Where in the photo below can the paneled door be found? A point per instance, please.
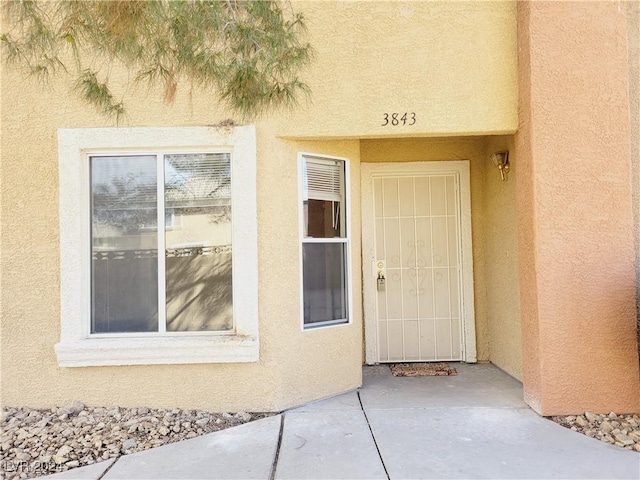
(417, 279)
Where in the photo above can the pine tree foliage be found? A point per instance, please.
(249, 53)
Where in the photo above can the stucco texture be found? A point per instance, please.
(633, 29)
(294, 366)
(576, 263)
(326, 361)
(453, 64)
(501, 283)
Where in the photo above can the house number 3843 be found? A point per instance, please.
(396, 119)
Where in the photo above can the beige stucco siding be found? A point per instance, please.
(452, 63)
(294, 366)
(318, 362)
(501, 283)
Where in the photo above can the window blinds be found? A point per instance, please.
(197, 180)
(323, 180)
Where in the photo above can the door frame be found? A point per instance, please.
(369, 171)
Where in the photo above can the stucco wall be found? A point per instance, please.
(577, 280)
(501, 282)
(633, 29)
(451, 63)
(432, 149)
(330, 358)
(299, 377)
(326, 361)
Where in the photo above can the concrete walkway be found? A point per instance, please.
(473, 425)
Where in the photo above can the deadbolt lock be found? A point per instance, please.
(381, 269)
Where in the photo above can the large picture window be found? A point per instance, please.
(156, 242)
(189, 287)
(324, 242)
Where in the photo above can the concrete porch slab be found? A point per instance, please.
(476, 385)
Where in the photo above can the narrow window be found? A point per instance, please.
(324, 242)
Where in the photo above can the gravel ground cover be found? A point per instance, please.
(35, 442)
(620, 430)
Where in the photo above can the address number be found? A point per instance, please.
(396, 119)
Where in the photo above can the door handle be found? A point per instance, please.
(381, 268)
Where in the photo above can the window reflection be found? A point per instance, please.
(198, 252)
(124, 273)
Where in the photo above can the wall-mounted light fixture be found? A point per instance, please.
(501, 160)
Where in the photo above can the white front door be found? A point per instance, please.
(415, 289)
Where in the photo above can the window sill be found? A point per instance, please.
(319, 325)
(157, 351)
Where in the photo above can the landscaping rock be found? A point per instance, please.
(129, 444)
(581, 421)
(244, 416)
(623, 439)
(619, 430)
(592, 417)
(76, 435)
(74, 407)
(606, 427)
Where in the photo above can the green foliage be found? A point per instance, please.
(248, 52)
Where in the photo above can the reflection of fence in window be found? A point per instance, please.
(198, 289)
(125, 291)
(198, 274)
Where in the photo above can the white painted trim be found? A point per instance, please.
(162, 244)
(76, 348)
(157, 350)
(347, 240)
(368, 172)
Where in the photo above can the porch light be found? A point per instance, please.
(501, 160)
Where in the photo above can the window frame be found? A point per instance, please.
(346, 240)
(160, 185)
(78, 347)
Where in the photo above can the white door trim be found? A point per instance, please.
(368, 172)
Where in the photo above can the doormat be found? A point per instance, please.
(422, 369)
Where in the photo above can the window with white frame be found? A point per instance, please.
(156, 240)
(324, 242)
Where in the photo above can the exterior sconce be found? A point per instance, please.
(501, 160)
